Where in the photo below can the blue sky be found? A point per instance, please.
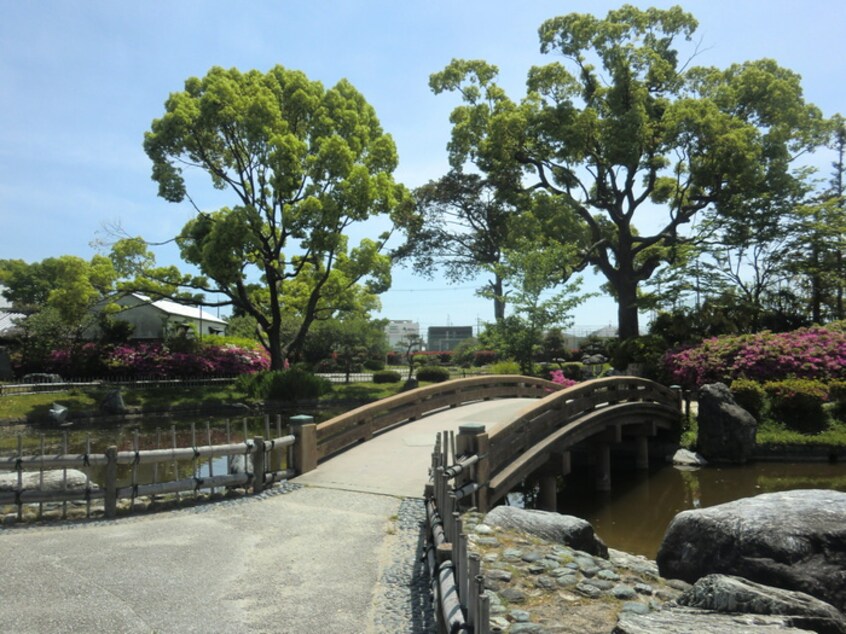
(81, 82)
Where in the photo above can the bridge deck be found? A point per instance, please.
(396, 462)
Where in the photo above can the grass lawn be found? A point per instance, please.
(84, 402)
(771, 432)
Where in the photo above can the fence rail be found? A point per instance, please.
(18, 388)
(263, 460)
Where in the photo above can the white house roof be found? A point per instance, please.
(7, 322)
(180, 310)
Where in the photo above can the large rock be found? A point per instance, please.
(793, 539)
(726, 593)
(562, 529)
(113, 402)
(726, 430)
(687, 621)
(54, 480)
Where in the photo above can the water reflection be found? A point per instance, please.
(150, 433)
(635, 513)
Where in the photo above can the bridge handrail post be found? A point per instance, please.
(259, 458)
(305, 447)
(473, 439)
(110, 501)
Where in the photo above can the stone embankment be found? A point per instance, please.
(545, 586)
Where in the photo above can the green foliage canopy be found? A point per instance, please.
(303, 164)
(621, 127)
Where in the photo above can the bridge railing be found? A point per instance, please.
(512, 451)
(362, 423)
(486, 465)
(457, 584)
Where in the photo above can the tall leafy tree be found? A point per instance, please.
(301, 165)
(463, 228)
(623, 131)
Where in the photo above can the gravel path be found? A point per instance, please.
(402, 602)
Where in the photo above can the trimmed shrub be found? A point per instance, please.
(798, 403)
(395, 358)
(837, 395)
(325, 366)
(387, 376)
(374, 365)
(505, 367)
(433, 373)
(749, 395)
(572, 370)
(290, 385)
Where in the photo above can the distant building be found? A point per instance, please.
(156, 319)
(447, 337)
(399, 331)
(8, 328)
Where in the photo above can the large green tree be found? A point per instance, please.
(301, 165)
(625, 131)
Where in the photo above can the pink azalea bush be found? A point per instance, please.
(808, 353)
(557, 376)
(156, 360)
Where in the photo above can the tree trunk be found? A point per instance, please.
(499, 299)
(627, 318)
(277, 357)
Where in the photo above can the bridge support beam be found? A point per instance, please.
(642, 452)
(603, 467)
(548, 492)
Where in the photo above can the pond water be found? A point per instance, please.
(635, 513)
(148, 433)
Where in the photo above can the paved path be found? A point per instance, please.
(307, 561)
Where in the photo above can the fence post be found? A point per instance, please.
(473, 439)
(258, 465)
(305, 447)
(110, 501)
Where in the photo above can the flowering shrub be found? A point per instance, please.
(156, 360)
(557, 376)
(812, 353)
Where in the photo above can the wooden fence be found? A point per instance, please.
(263, 459)
(17, 388)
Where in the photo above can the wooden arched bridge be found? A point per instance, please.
(499, 430)
(496, 455)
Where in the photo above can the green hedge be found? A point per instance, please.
(387, 376)
(432, 373)
(798, 403)
(284, 385)
(750, 395)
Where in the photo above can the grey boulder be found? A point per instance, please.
(687, 621)
(730, 594)
(562, 529)
(794, 540)
(726, 430)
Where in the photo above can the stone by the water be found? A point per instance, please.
(565, 529)
(793, 539)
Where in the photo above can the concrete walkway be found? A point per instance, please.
(306, 561)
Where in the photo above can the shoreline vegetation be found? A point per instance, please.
(774, 440)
